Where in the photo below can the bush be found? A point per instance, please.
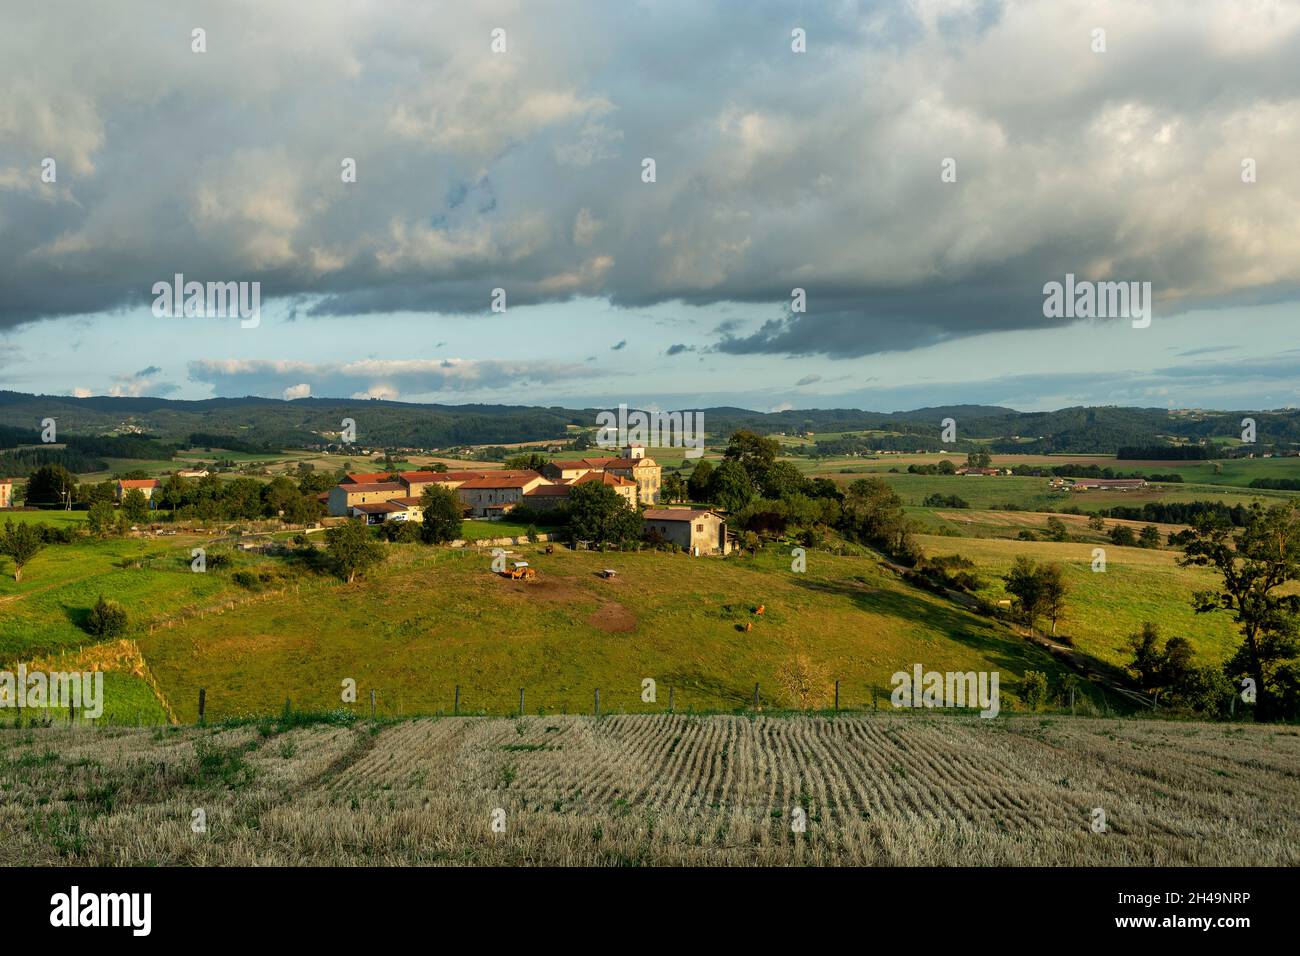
(106, 620)
(1033, 689)
(246, 579)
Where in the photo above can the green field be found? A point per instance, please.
(433, 619)
(1138, 585)
(55, 518)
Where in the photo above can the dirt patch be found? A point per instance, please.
(547, 588)
(613, 618)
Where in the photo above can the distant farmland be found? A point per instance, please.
(650, 790)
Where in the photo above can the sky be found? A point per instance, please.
(921, 169)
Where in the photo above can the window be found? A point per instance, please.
(699, 527)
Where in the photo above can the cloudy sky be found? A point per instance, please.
(523, 170)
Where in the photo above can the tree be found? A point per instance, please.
(600, 514)
(1255, 563)
(1170, 669)
(172, 493)
(279, 495)
(352, 549)
(101, 519)
(531, 462)
(805, 682)
(1025, 584)
(1033, 689)
(946, 467)
(781, 480)
(1149, 536)
(50, 484)
(442, 514)
(135, 506)
(873, 512)
(1052, 587)
(1056, 529)
(979, 459)
(673, 488)
(731, 487)
(106, 619)
(1122, 536)
(753, 452)
(20, 543)
(698, 483)
(1096, 522)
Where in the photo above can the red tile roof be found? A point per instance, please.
(570, 465)
(140, 483)
(379, 507)
(516, 480)
(548, 491)
(366, 477)
(615, 481)
(629, 462)
(359, 487)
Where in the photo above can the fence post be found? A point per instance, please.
(670, 700)
(455, 709)
(372, 703)
(521, 702)
(1071, 700)
(837, 695)
(597, 710)
(756, 695)
(873, 697)
(203, 699)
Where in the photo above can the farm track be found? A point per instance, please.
(668, 789)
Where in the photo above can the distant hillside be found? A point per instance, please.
(274, 423)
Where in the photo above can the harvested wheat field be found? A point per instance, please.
(649, 790)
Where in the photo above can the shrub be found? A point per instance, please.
(1033, 689)
(106, 620)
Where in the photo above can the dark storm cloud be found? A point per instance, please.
(775, 170)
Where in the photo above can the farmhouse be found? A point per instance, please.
(1108, 484)
(347, 496)
(146, 486)
(490, 496)
(699, 531)
(643, 472)
(395, 509)
(6, 492)
(549, 496)
(192, 473)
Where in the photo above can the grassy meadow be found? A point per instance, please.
(428, 620)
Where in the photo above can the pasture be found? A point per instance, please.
(1103, 608)
(883, 790)
(431, 619)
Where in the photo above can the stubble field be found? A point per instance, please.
(655, 790)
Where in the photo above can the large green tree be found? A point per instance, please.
(1255, 562)
(599, 514)
(1039, 590)
(20, 542)
(135, 506)
(698, 483)
(352, 549)
(730, 486)
(442, 514)
(49, 485)
(873, 512)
